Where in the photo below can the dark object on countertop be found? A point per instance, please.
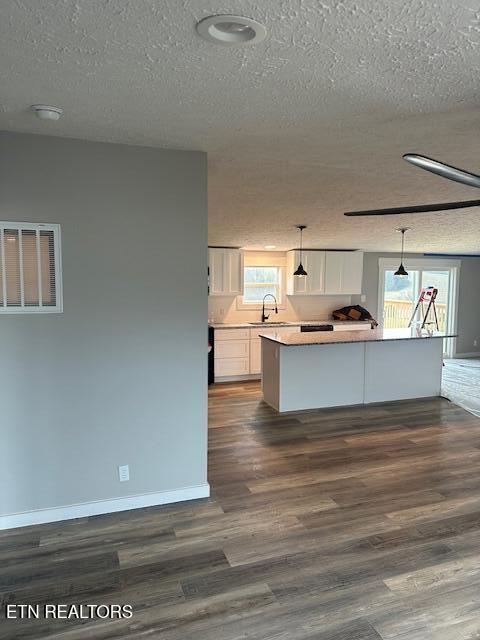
(316, 327)
(354, 313)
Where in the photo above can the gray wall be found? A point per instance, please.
(120, 376)
(468, 302)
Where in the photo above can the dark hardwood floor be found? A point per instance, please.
(341, 524)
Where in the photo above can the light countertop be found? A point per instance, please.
(345, 337)
(296, 323)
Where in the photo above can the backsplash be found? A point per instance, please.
(224, 309)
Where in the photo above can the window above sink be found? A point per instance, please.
(263, 273)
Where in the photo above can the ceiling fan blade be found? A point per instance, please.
(444, 170)
(417, 208)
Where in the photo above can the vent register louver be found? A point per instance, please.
(29, 268)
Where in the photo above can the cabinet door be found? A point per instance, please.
(353, 272)
(295, 286)
(343, 272)
(315, 267)
(225, 272)
(232, 349)
(216, 260)
(334, 266)
(314, 282)
(255, 356)
(233, 272)
(232, 367)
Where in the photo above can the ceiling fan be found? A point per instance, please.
(441, 169)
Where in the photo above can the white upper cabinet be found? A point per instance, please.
(225, 272)
(329, 273)
(314, 264)
(343, 272)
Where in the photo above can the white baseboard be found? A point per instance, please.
(472, 354)
(250, 376)
(85, 509)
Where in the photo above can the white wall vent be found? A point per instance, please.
(30, 268)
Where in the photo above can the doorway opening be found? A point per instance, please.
(398, 295)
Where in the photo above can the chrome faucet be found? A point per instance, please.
(264, 317)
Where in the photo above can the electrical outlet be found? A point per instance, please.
(475, 342)
(123, 473)
(363, 298)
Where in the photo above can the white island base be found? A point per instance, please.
(313, 376)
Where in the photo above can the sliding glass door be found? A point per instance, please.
(398, 296)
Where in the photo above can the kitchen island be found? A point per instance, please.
(330, 369)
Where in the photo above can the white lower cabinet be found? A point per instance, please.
(226, 367)
(232, 349)
(256, 356)
(232, 353)
(238, 352)
(256, 346)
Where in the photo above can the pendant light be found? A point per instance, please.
(300, 272)
(401, 271)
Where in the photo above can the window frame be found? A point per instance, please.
(33, 226)
(281, 298)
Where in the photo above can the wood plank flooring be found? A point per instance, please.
(357, 523)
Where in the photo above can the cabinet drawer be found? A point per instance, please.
(232, 334)
(232, 349)
(232, 367)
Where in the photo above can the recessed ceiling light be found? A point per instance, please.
(46, 112)
(270, 246)
(229, 30)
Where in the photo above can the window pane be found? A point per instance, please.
(255, 294)
(399, 300)
(261, 274)
(441, 281)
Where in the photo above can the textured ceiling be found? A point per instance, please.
(299, 128)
